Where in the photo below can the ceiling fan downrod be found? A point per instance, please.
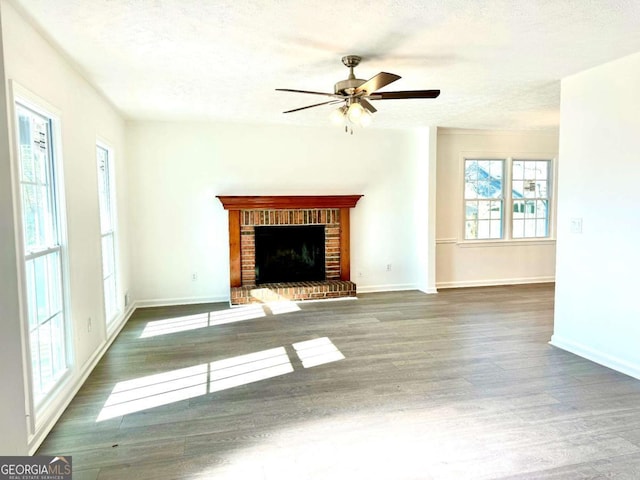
(348, 86)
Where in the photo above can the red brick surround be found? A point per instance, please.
(252, 218)
(245, 213)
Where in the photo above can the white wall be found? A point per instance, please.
(180, 228)
(597, 311)
(14, 440)
(31, 61)
(463, 264)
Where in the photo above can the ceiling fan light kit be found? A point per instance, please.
(354, 95)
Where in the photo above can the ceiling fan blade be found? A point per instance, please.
(314, 105)
(376, 82)
(368, 106)
(404, 94)
(335, 95)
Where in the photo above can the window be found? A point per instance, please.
(526, 215)
(107, 230)
(43, 253)
(483, 194)
(530, 197)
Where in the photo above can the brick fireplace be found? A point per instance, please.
(248, 212)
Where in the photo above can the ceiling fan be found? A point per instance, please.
(354, 94)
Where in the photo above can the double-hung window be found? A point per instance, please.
(530, 198)
(43, 249)
(106, 193)
(483, 199)
(492, 214)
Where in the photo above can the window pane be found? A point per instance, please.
(541, 189)
(31, 294)
(37, 235)
(107, 256)
(517, 170)
(471, 171)
(57, 345)
(104, 191)
(42, 289)
(518, 209)
(471, 230)
(541, 228)
(471, 210)
(496, 210)
(542, 170)
(55, 279)
(484, 229)
(496, 229)
(484, 210)
(518, 228)
(517, 189)
(530, 170)
(107, 224)
(529, 188)
(35, 362)
(46, 365)
(34, 151)
(529, 228)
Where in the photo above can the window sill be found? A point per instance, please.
(505, 243)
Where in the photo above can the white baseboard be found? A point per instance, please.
(167, 302)
(602, 358)
(72, 389)
(428, 290)
(386, 288)
(495, 282)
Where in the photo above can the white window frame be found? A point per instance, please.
(111, 312)
(507, 227)
(40, 408)
(549, 198)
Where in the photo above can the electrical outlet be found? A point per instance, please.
(126, 299)
(194, 276)
(576, 225)
(388, 267)
(89, 325)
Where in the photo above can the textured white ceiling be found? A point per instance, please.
(498, 63)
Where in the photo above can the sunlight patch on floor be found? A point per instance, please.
(155, 390)
(283, 306)
(245, 369)
(151, 391)
(202, 320)
(164, 388)
(317, 352)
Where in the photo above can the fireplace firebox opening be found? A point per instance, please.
(292, 253)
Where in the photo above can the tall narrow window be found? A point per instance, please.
(530, 198)
(483, 199)
(43, 250)
(107, 230)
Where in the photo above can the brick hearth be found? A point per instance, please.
(296, 291)
(245, 213)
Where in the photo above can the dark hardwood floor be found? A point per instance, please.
(458, 385)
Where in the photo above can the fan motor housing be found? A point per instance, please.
(348, 86)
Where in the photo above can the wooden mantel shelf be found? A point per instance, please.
(288, 201)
